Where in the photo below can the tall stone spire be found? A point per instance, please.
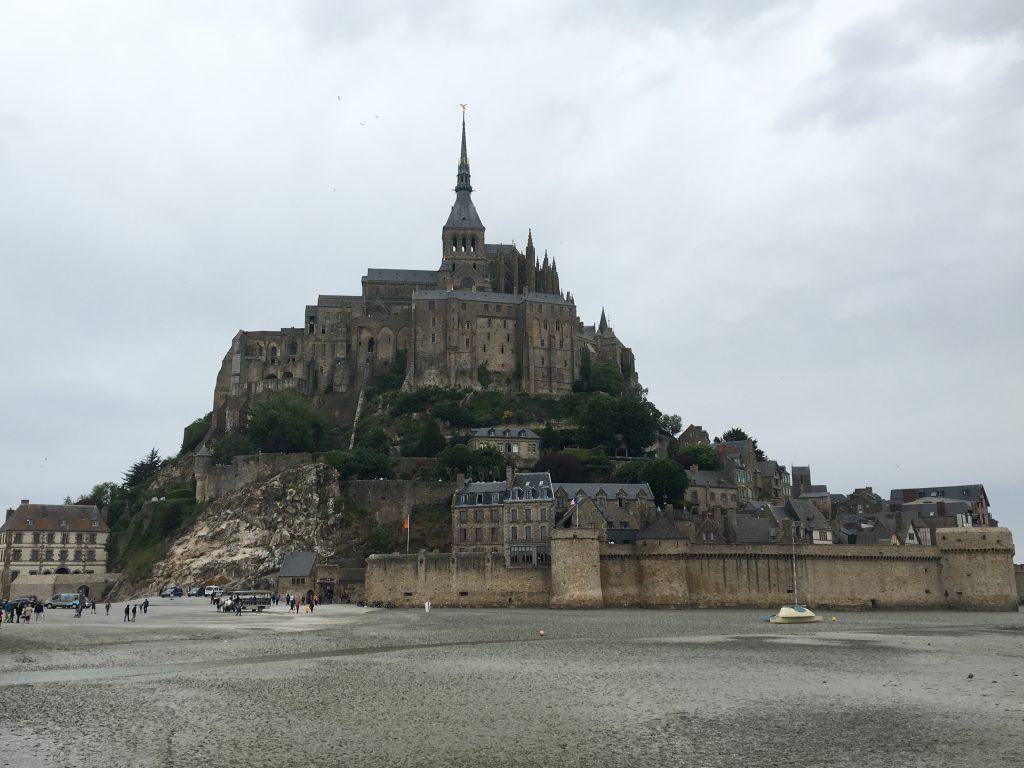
(602, 326)
(462, 180)
(463, 233)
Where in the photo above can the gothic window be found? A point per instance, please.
(293, 348)
(433, 338)
(515, 535)
(467, 343)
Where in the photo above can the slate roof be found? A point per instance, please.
(661, 528)
(464, 215)
(401, 276)
(756, 530)
(298, 564)
(611, 490)
(928, 506)
(971, 493)
(47, 517)
(808, 514)
(501, 430)
(709, 479)
(472, 489)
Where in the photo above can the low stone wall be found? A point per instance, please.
(390, 500)
(45, 586)
(468, 580)
(214, 481)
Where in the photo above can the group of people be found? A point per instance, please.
(132, 610)
(297, 603)
(15, 614)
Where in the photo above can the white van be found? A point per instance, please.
(213, 590)
(63, 600)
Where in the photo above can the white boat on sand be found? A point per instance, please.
(794, 614)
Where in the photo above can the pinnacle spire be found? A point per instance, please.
(462, 183)
(463, 215)
(602, 326)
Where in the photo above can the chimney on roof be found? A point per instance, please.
(508, 476)
(9, 513)
(24, 501)
(693, 467)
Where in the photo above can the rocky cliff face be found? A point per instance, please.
(242, 538)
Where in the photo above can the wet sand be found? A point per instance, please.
(186, 686)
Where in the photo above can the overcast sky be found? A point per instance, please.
(804, 217)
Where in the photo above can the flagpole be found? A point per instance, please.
(407, 533)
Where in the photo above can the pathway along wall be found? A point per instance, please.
(969, 568)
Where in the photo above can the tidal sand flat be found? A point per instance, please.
(184, 685)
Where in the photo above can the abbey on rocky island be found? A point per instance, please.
(489, 315)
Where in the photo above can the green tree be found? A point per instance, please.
(231, 445)
(142, 471)
(483, 375)
(703, 455)
(483, 464)
(666, 478)
(583, 383)
(360, 465)
(195, 432)
(606, 377)
(285, 422)
(670, 424)
(431, 442)
(564, 467)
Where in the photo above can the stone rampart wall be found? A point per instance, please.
(968, 569)
(219, 480)
(1018, 573)
(468, 580)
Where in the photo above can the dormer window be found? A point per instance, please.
(28, 522)
(95, 523)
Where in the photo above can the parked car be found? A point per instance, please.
(19, 603)
(172, 592)
(195, 592)
(64, 600)
(214, 590)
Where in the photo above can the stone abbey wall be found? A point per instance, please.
(967, 569)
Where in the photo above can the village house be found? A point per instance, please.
(43, 539)
(517, 443)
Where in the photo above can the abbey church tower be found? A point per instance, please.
(463, 254)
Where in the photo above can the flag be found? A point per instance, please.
(405, 522)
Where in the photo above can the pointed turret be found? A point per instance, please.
(463, 233)
(602, 326)
(554, 278)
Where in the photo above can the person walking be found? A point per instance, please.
(108, 607)
(135, 610)
(127, 611)
(39, 611)
(92, 605)
(145, 605)
(26, 614)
